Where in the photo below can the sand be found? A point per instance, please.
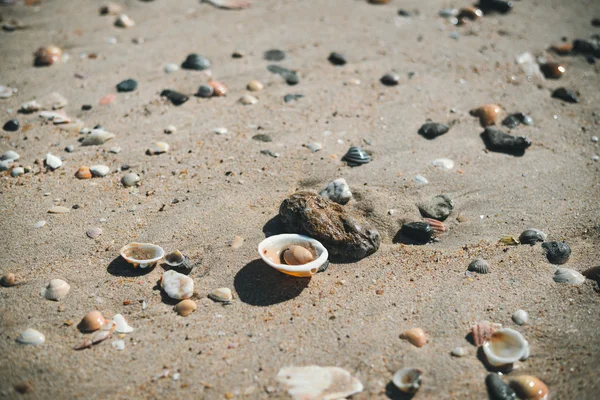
(350, 316)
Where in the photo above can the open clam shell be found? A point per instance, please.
(408, 379)
(142, 255)
(272, 248)
(505, 347)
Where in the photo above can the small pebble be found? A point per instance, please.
(459, 352)
(254, 86)
(443, 163)
(118, 345)
(171, 67)
(99, 170)
(219, 88)
(261, 137)
(220, 130)
(269, 153)
(196, 62)
(390, 79)
(175, 97)
(238, 54)
(123, 21)
(17, 172)
(10, 155)
(290, 77)
(337, 59)
(421, 179)
(338, 191)
(222, 295)
(292, 97)
(431, 130)
(552, 70)
(12, 125)
(520, 317)
(58, 210)
(39, 224)
(565, 95)
(128, 85)
(557, 252)
(274, 55)
(248, 100)
(158, 148)
(421, 232)
(53, 162)
(237, 242)
(115, 150)
(205, 91)
(94, 233)
(70, 148)
(110, 9)
(314, 146)
(170, 129)
(595, 139)
(130, 179)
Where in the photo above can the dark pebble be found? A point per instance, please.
(128, 85)
(337, 59)
(514, 120)
(497, 140)
(76, 206)
(431, 130)
(587, 47)
(532, 236)
(175, 97)
(292, 97)
(404, 13)
(86, 107)
(565, 95)
(98, 126)
(196, 62)
(552, 70)
(498, 390)
(237, 54)
(125, 167)
(274, 55)
(261, 137)
(418, 231)
(557, 252)
(356, 156)
(596, 22)
(290, 77)
(438, 207)
(390, 79)
(205, 91)
(11, 125)
(502, 6)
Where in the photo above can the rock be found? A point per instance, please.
(177, 286)
(498, 390)
(248, 100)
(337, 191)
(292, 97)
(431, 130)
(99, 170)
(115, 150)
(205, 91)
(70, 148)
(130, 179)
(110, 9)
(175, 97)
(390, 79)
(497, 140)
(58, 210)
(196, 62)
(10, 156)
(97, 137)
(565, 95)
(222, 295)
(553, 70)
(254, 86)
(567, 275)
(261, 137)
(171, 67)
(502, 6)
(5, 165)
(337, 59)
(46, 56)
(220, 130)
(290, 77)
(123, 21)
(557, 252)
(443, 163)
(53, 162)
(12, 125)
(18, 171)
(274, 55)
(438, 207)
(322, 219)
(128, 85)
(219, 89)
(520, 317)
(421, 179)
(420, 232)
(157, 148)
(513, 120)
(170, 129)
(314, 146)
(488, 114)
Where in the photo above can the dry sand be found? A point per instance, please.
(336, 318)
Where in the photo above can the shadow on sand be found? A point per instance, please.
(120, 267)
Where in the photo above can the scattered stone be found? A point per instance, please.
(10, 155)
(99, 170)
(288, 98)
(115, 150)
(222, 294)
(565, 95)
(497, 140)
(356, 156)
(314, 382)
(39, 224)
(459, 352)
(337, 59)
(128, 85)
(24, 387)
(196, 62)
(130, 179)
(553, 70)
(532, 236)
(431, 130)
(420, 232)
(177, 286)
(337, 191)
(46, 56)
(8, 279)
(205, 91)
(53, 162)
(12, 125)
(513, 120)
(171, 67)
(238, 54)
(6, 92)
(443, 163)
(487, 114)
(567, 275)
(501, 6)
(269, 153)
(480, 266)
(5, 165)
(97, 137)
(248, 100)
(219, 88)
(94, 233)
(421, 179)
(438, 207)
(326, 221)
(290, 77)
(123, 21)
(70, 148)
(498, 390)
(220, 131)
(520, 317)
(110, 9)
(557, 252)
(157, 148)
(254, 86)
(16, 172)
(261, 137)
(314, 146)
(186, 307)
(175, 97)
(59, 210)
(274, 55)
(390, 79)
(170, 129)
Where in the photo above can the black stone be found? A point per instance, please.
(502, 6)
(418, 231)
(290, 77)
(205, 91)
(404, 13)
(497, 140)
(98, 126)
(557, 252)
(514, 120)
(175, 97)
(337, 59)
(596, 22)
(128, 85)
(196, 62)
(274, 55)
(532, 236)
(498, 390)
(86, 107)
(261, 137)
(11, 125)
(565, 95)
(589, 47)
(431, 130)
(390, 79)
(292, 97)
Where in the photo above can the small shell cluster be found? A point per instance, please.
(292, 254)
(101, 329)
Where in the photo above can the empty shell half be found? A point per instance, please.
(186, 307)
(407, 380)
(56, 290)
(121, 324)
(284, 253)
(31, 336)
(142, 255)
(505, 347)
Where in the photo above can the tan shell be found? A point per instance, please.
(221, 294)
(488, 114)
(56, 290)
(297, 255)
(415, 336)
(248, 100)
(92, 322)
(47, 55)
(562, 48)
(83, 173)
(186, 307)
(219, 88)
(8, 279)
(529, 387)
(255, 86)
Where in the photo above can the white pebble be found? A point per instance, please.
(443, 163)
(17, 172)
(520, 317)
(53, 162)
(170, 129)
(39, 224)
(10, 155)
(220, 131)
(170, 68)
(118, 345)
(99, 170)
(594, 139)
(421, 179)
(459, 352)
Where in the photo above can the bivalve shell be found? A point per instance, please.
(124, 21)
(437, 227)
(31, 336)
(520, 317)
(271, 250)
(221, 294)
(314, 382)
(177, 286)
(157, 148)
(487, 114)
(255, 86)
(529, 388)
(480, 266)
(567, 275)
(83, 173)
(47, 55)
(92, 321)
(505, 347)
(8, 279)
(532, 236)
(415, 336)
(356, 156)
(186, 307)
(142, 255)
(248, 100)
(97, 137)
(56, 290)
(408, 380)
(99, 170)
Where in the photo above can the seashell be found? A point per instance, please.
(118, 345)
(97, 137)
(57, 117)
(567, 275)
(443, 163)
(520, 317)
(123, 21)
(186, 307)
(248, 100)
(93, 233)
(53, 162)
(487, 114)
(170, 129)
(229, 4)
(314, 146)
(509, 240)
(110, 9)
(480, 266)
(497, 389)
(121, 325)
(8, 279)
(83, 173)
(483, 330)
(179, 261)
(221, 294)
(532, 236)
(314, 382)
(431, 130)
(18, 171)
(553, 70)
(290, 77)
(274, 55)
(390, 79)
(557, 252)
(437, 226)
(254, 86)
(30, 106)
(6, 92)
(408, 380)
(196, 62)
(56, 290)
(288, 98)
(592, 273)
(99, 170)
(562, 48)
(174, 97)
(205, 91)
(130, 179)
(236, 243)
(565, 95)
(271, 248)
(158, 148)
(142, 255)
(421, 232)
(355, 156)
(58, 210)
(502, 6)
(296, 255)
(529, 388)
(218, 88)
(177, 286)
(31, 336)
(92, 321)
(505, 347)
(459, 352)
(10, 155)
(46, 56)
(415, 336)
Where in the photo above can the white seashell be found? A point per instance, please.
(322, 383)
(56, 290)
(567, 275)
(55, 117)
(170, 129)
(17, 172)
(520, 317)
(97, 137)
(158, 148)
(121, 324)
(31, 336)
(459, 352)
(421, 179)
(177, 286)
(99, 170)
(443, 163)
(222, 294)
(407, 380)
(271, 249)
(39, 224)
(4, 165)
(248, 99)
(123, 21)
(505, 347)
(142, 255)
(220, 130)
(118, 345)
(53, 162)
(6, 92)
(10, 155)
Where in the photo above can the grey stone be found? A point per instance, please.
(338, 191)
(438, 207)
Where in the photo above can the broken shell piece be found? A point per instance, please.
(121, 324)
(98, 336)
(30, 106)
(505, 347)
(158, 148)
(83, 173)
(529, 388)
(92, 322)
(271, 250)
(437, 227)
(567, 275)
(8, 279)
(509, 240)
(56, 290)
(487, 114)
(123, 21)
(142, 255)
(483, 330)
(222, 294)
(408, 380)
(97, 137)
(186, 307)
(46, 56)
(31, 336)
(229, 4)
(415, 336)
(177, 286)
(314, 382)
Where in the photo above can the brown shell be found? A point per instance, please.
(529, 387)
(92, 322)
(219, 88)
(553, 70)
(488, 114)
(592, 273)
(8, 279)
(437, 226)
(483, 331)
(415, 336)
(47, 55)
(297, 255)
(562, 48)
(83, 173)
(186, 307)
